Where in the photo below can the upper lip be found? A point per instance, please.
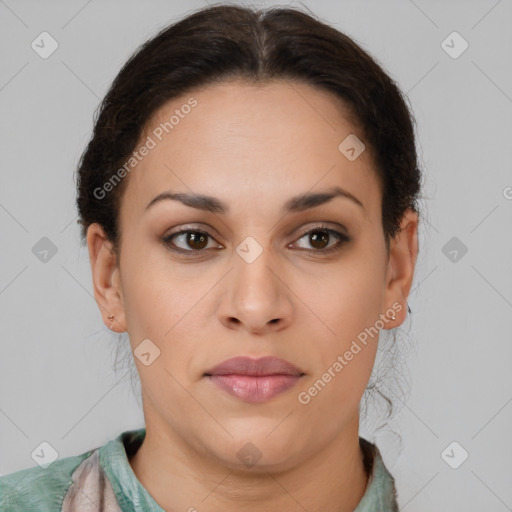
(243, 365)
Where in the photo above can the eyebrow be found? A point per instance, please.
(298, 203)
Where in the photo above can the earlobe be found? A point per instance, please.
(106, 282)
(401, 264)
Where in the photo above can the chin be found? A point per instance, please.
(255, 451)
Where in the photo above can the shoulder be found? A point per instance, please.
(381, 493)
(39, 489)
(94, 478)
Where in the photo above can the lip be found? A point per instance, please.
(254, 380)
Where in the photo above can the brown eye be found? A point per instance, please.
(320, 238)
(189, 240)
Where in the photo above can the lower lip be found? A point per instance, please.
(252, 388)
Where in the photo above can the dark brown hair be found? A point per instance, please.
(225, 42)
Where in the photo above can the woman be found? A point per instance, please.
(249, 201)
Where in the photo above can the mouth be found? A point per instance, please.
(254, 380)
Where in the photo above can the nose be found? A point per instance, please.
(255, 297)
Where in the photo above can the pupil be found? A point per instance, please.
(319, 235)
(198, 239)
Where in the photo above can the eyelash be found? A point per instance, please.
(343, 239)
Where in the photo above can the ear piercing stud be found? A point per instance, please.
(111, 317)
(393, 317)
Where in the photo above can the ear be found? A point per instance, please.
(401, 263)
(106, 278)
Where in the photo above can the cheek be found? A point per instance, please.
(348, 299)
(154, 297)
(348, 302)
(165, 307)
(168, 313)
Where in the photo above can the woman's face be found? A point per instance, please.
(261, 281)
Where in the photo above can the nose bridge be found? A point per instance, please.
(253, 277)
(256, 296)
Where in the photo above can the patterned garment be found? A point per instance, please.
(102, 480)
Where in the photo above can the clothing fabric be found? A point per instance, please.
(102, 480)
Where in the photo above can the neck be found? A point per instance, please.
(178, 477)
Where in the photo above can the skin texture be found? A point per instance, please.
(253, 147)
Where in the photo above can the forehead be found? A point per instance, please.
(246, 143)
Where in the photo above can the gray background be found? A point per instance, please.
(56, 378)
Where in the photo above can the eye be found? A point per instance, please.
(191, 240)
(196, 241)
(320, 237)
